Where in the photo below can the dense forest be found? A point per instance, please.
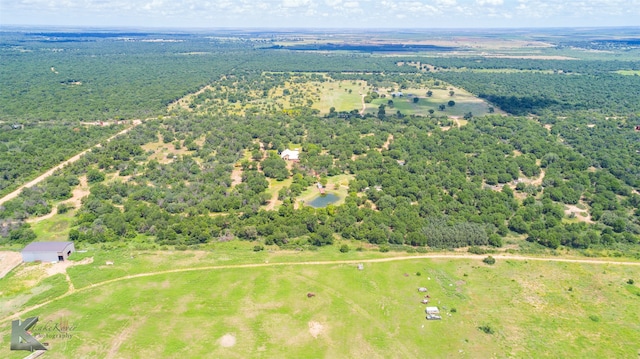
(560, 168)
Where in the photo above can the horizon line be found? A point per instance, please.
(3, 27)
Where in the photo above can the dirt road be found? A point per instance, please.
(8, 261)
(353, 261)
(73, 159)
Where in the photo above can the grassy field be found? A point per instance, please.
(629, 72)
(464, 103)
(55, 228)
(342, 95)
(533, 309)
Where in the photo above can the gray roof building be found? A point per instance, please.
(47, 251)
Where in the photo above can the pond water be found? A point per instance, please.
(323, 201)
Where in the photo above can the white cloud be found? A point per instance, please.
(489, 2)
(323, 13)
(295, 3)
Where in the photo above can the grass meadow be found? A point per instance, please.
(464, 103)
(515, 308)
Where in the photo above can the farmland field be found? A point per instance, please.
(513, 308)
(464, 103)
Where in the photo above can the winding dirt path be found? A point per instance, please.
(351, 261)
(73, 159)
(364, 106)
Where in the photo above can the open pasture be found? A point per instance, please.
(511, 309)
(464, 103)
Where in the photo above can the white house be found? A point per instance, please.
(290, 155)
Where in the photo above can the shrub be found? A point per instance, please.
(476, 250)
(344, 248)
(384, 248)
(258, 248)
(64, 208)
(630, 281)
(489, 260)
(486, 329)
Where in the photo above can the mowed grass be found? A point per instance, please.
(464, 103)
(342, 95)
(534, 309)
(629, 72)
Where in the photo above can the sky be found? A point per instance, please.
(321, 13)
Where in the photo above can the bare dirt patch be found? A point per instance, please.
(81, 191)
(315, 329)
(8, 261)
(227, 340)
(534, 181)
(458, 121)
(236, 176)
(581, 215)
(61, 267)
(385, 146)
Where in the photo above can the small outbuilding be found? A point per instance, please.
(47, 251)
(433, 313)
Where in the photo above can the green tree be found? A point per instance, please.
(381, 111)
(94, 176)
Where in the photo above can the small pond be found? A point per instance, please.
(323, 201)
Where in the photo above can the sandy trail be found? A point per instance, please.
(73, 159)
(353, 261)
(8, 261)
(81, 191)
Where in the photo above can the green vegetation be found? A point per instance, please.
(274, 312)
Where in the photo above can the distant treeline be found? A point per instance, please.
(364, 47)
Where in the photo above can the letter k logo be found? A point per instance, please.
(20, 339)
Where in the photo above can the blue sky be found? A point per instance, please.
(322, 13)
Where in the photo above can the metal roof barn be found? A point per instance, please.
(47, 251)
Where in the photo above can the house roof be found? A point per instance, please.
(46, 246)
(293, 155)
